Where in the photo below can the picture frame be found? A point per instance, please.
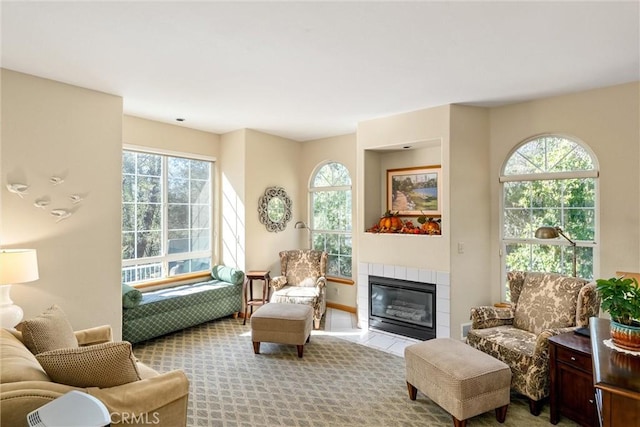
(415, 191)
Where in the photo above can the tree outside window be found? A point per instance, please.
(166, 216)
(330, 196)
(549, 180)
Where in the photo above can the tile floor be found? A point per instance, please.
(343, 324)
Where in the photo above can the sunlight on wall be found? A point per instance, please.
(233, 226)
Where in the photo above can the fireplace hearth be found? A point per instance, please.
(402, 307)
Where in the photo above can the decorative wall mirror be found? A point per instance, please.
(274, 209)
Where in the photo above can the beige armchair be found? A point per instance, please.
(302, 281)
(542, 305)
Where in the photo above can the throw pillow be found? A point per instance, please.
(49, 331)
(131, 297)
(227, 274)
(102, 365)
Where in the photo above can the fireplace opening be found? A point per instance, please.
(402, 307)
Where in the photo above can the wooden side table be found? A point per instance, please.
(247, 292)
(571, 371)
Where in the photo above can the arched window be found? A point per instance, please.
(330, 197)
(549, 180)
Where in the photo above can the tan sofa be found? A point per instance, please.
(156, 399)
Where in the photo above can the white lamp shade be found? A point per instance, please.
(18, 266)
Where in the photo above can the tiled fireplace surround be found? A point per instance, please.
(440, 278)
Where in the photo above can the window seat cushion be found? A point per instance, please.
(171, 309)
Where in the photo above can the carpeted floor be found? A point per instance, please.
(336, 383)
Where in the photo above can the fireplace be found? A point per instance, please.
(402, 307)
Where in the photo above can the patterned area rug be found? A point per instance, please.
(336, 383)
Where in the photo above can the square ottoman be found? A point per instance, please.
(282, 323)
(462, 380)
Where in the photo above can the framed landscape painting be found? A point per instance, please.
(415, 191)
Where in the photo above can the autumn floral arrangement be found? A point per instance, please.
(391, 222)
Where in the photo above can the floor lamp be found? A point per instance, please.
(553, 233)
(16, 266)
(301, 225)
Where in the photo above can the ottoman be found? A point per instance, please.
(462, 380)
(282, 323)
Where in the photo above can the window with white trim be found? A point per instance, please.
(330, 197)
(166, 216)
(549, 180)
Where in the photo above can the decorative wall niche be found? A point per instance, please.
(377, 163)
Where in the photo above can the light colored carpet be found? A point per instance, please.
(336, 383)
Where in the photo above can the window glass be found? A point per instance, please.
(166, 216)
(331, 217)
(549, 181)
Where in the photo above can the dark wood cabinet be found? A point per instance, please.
(616, 378)
(572, 391)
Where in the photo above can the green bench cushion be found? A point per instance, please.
(171, 309)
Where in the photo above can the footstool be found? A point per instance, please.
(462, 380)
(282, 323)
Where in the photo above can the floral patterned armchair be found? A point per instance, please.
(302, 281)
(542, 305)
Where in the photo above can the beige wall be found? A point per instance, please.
(315, 153)
(231, 191)
(271, 161)
(606, 120)
(173, 138)
(470, 213)
(53, 129)
(427, 252)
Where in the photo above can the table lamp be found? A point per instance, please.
(16, 266)
(547, 232)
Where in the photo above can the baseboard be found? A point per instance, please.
(346, 308)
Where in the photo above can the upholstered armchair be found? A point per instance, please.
(542, 305)
(302, 281)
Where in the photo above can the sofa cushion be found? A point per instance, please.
(17, 363)
(49, 331)
(131, 297)
(102, 365)
(227, 274)
(547, 301)
(296, 295)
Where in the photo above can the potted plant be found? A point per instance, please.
(621, 299)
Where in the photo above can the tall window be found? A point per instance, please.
(330, 196)
(549, 180)
(166, 216)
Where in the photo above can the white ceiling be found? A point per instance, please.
(306, 70)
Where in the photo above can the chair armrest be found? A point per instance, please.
(588, 304)
(278, 282)
(146, 396)
(321, 282)
(97, 335)
(488, 317)
(542, 342)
